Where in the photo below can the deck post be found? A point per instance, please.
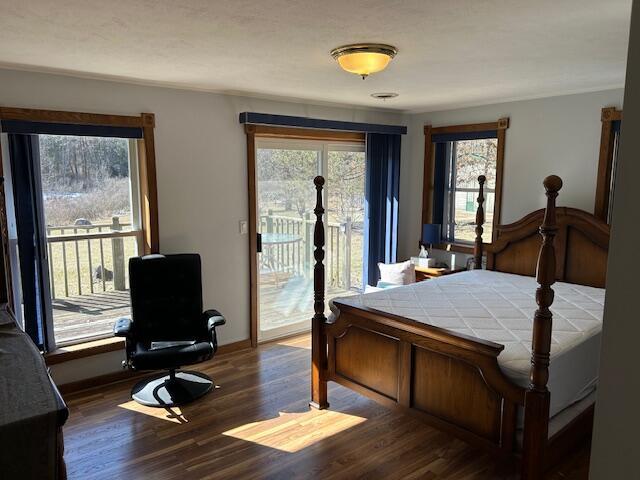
(477, 248)
(536, 400)
(347, 253)
(117, 248)
(270, 221)
(318, 336)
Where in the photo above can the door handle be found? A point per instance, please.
(259, 243)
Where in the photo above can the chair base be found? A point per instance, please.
(172, 390)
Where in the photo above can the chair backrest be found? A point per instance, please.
(166, 298)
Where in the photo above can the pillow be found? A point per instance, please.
(397, 273)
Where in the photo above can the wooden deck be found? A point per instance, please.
(289, 300)
(88, 315)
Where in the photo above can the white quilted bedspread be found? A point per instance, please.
(499, 307)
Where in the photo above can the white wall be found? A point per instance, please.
(615, 449)
(202, 176)
(558, 135)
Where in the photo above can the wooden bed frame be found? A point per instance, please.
(454, 381)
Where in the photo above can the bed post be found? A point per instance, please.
(536, 400)
(318, 336)
(477, 248)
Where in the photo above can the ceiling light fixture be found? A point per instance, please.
(364, 58)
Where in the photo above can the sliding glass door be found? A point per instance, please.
(285, 200)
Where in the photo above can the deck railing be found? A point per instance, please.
(89, 258)
(297, 257)
(85, 259)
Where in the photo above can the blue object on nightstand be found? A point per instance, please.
(431, 233)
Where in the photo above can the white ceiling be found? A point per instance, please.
(451, 52)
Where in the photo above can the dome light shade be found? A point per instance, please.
(364, 59)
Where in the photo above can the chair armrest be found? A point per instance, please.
(123, 327)
(214, 319)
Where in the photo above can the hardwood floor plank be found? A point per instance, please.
(257, 425)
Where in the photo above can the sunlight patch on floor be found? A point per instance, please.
(170, 414)
(292, 432)
(298, 341)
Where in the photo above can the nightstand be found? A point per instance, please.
(425, 273)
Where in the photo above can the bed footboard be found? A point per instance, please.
(451, 382)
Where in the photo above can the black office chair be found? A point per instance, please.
(168, 329)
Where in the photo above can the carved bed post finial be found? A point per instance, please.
(536, 403)
(477, 249)
(318, 336)
(546, 277)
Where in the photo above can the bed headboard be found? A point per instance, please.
(581, 245)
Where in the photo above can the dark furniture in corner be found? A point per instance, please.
(33, 412)
(169, 328)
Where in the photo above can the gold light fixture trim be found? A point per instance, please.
(364, 58)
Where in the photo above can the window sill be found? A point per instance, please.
(85, 349)
(455, 247)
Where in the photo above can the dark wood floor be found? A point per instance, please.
(257, 425)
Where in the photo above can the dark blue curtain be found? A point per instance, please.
(381, 207)
(254, 118)
(24, 155)
(439, 181)
(40, 128)
(616, 124)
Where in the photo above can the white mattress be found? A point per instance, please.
(499, 307)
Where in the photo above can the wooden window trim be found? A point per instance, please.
(77, 118)
(84, 349)
(455, 247)
(427, 182)
(148, 185)
(114, 344)
(265, 131)
(608, 115)
(147, 178)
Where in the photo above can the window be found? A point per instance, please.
(81, 197)
(466, 160)
(90, 188)
(454, 158)
(607, 165)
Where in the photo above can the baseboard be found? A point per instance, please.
(234, 347)
(99, 381)
(123, 375)
(287, 336)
